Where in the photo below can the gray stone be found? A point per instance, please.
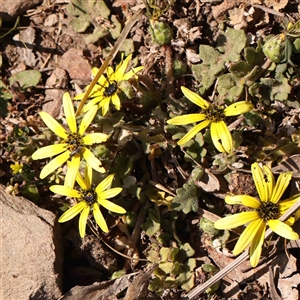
(31, 252)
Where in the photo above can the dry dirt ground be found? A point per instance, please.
(62, 47)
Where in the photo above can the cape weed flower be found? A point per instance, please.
(73, 145)
(210, 115)
(90, 200)
(107, 88)
(17, 167)
(267, 211)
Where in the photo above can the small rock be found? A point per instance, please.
(78, 68)
(31, 250)
(55, 88)
(51, 20)
(26, 54)
(11, 9)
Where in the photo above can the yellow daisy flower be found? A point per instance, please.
(267, 211)
(74, 143)
(90, 200)
(17, 167)
(210, 115)
(107, 88)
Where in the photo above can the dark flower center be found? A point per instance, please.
(269, 211)
(89, 196)
(214, 113)
(110, 89)
(75, 144)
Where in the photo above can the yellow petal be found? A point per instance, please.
(187, 119)
(297, 215)
(193, 132)
(94, 71)
(69, 112)
(238, 108)
(65, 191)
(256, 245)
(104, 105)
(132, 73)
(110, 72)
(288, 203)
(72, 212)
(54, 164)
(111, 193)
(236, 220)
(49, 151)
(232, 200)
(116, 101)
(93, 161)
(112, 206)
(93, 138)
(283, 229)
(221, 136)
(251, 202)
(102, 83)
(97, 91)
(99, 218)
(195, 98)
(243, 199)
(104, 185)
(281, 185)
(53, 125)
(121, 68)
(91, 104)
(81, 181)
(269, 181)
(259, 180)
(82, 220)
(87, 119)
(79, 96)
(72, 171)
(247, 236)
(88, 177)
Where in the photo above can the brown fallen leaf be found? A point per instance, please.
(107, 290)
(276, 4)
(138, 287)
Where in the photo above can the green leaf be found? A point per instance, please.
(232, 43)
(208, 227)
(164, 253)
(212, 65)
(155, 285)
(185, 252)
(152, 224)
(116, 28)
(166, 267)
(186, 199)
(281, 90)
(26, 79)
(186, 278)
(230, 87)
(153, 254)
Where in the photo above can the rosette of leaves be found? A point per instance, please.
(175, 268)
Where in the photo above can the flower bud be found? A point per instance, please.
(161, 32)
(274, 48)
